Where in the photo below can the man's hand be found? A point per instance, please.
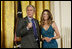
(29, 25)
(18, 39)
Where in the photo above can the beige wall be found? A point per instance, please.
(61, 11)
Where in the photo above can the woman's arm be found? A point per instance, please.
(56, 31)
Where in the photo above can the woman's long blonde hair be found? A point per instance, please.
(49, 20)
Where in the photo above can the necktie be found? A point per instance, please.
(34, 29)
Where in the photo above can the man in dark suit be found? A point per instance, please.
(28, 29)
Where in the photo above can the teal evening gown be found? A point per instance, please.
(49, 33)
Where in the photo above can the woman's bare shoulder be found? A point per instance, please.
(53, 24)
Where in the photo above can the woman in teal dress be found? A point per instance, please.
(48, 27)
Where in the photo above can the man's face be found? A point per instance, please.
(30, 12)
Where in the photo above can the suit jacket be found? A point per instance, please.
(27, 36)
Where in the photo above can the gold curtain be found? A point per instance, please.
(8, 17)
(1, 26)
(7, 23)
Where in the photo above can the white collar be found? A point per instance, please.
(29, 17)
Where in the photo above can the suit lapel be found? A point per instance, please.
(27, 19)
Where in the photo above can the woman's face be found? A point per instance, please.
(45, 15)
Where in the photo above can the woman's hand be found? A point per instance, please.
(43, 39)
(47, 39)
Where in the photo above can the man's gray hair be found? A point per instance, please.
(31, 6)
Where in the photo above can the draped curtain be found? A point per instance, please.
(7, 23)
(9, 14)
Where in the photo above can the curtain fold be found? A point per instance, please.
(46, 5)
(1, 25)
(8, 23)
(24, 5)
